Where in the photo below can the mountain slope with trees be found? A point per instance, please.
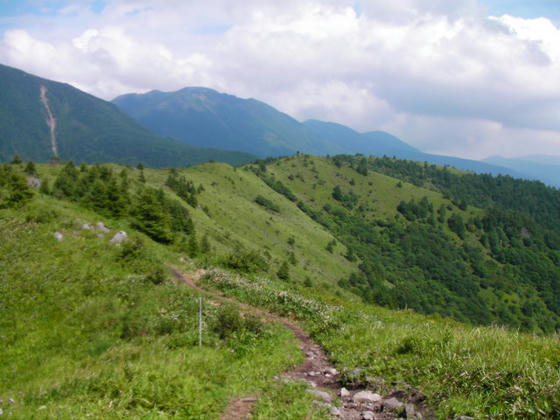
(207, 118)
(87, 129)
(87, 324)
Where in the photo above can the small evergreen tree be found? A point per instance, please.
(45, 188)
(16, 160)
(30, 169)
(205, 246)
(193, 248)
(284, 272)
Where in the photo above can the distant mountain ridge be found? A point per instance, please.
(543, 168)
(41, 118)
(205, 117)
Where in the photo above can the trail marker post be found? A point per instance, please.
(200, 321)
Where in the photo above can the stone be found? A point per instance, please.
(410, 411)
(101, 227)
(331, 371)
(335, 412)
(34, 182)
(367, 397)
(325, 396)
(86, 226)
(394, 405)
(101, 236)
(59, 236)
(119, 237)
(368, 415)
(344, 393)
(463, 418)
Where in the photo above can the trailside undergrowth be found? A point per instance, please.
(462, 370)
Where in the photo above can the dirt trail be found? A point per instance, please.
(317, 371)
(51, 120)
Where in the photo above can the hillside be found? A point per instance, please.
(88, 324)
(41, 118)
(206, 118)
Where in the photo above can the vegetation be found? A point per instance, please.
(88, 129)
(483, 372)
(90, 328)
(476, 265)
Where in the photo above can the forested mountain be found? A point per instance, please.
(204, 117)
(477, 248)
(41, 118)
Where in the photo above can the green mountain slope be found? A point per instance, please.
(204, 117)
(418, 248)
(86, 128)
(90, 328)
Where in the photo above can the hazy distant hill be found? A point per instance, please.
(543, 168)
(85, 128)
(380, 143)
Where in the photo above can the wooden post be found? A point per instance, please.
(200, 321)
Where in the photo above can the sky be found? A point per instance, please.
(467, 78)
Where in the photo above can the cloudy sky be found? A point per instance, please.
(469, 78)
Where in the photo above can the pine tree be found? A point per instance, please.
(150, 217)
(193, 248)
(30, 169)
(284, 271)
(205, 246)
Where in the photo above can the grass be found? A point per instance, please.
(463, 370)
(90, 329)
(85, 332)
(235, 221)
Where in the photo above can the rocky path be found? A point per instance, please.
(357, 403)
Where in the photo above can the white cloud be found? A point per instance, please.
(441, 74)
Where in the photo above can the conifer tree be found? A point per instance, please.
(284, 271)
(30, 169)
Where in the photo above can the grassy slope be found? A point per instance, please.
(69, 302)
(484, 372)
(84, 332)
(234, 219)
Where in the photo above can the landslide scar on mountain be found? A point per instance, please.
(51, 120)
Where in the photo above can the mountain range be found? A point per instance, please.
(205, 117)
(40, 119)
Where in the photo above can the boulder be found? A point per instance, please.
(101, 227)
(59, 236)
(325, 396)
(394, 405)
(119, 237)
(344, 393)
(368, 415)
(34, 182)
(366, 397)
